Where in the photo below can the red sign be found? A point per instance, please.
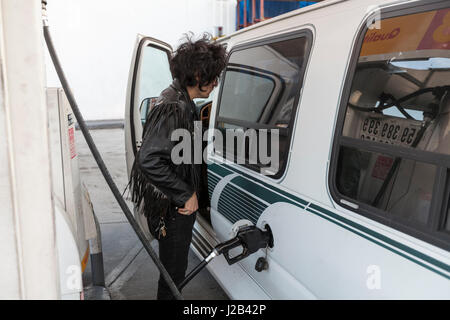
(73, 153)
(420, 31)
(382, 167)
(438, 35)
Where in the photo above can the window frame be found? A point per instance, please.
(445, 214)
(433, 232)
(302, 33)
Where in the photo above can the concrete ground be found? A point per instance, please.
(130, 273)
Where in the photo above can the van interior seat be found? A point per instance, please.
(415, 202)
(409, 193)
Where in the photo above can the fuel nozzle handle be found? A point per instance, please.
(250, 238)
(226, 246)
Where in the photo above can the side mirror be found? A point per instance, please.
(146, 105)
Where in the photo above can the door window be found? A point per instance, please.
(154, 76)
(150, 75)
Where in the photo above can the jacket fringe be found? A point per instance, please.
(156, 203)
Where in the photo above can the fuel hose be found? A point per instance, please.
(101, 164)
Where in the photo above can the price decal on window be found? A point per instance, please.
(389, 130)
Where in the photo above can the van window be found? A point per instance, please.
(260, 90)
(394, 135)
(246, 94)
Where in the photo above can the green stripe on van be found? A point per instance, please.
(261, 192)
(213, 180)
(379, 243)
(383, 238)
(221, 171)
(236, 205)
(272, 194)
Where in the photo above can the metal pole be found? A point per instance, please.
(95, 247)
(238, 13)
(253, 11)
(245, 13)
(261, 8)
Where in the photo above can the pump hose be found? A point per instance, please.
(103, 167)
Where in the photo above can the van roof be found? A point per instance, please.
(316, 6)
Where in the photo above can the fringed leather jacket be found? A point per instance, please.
(156, 182)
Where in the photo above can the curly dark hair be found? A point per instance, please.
(203, 58)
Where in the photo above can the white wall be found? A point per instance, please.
(95, 39)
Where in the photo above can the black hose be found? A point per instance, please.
(193, 273)
(104, 169)
(419, 92)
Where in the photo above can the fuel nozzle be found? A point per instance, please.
(250, 238)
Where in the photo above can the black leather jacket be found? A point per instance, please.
(155, 178)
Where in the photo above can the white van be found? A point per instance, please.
(359, 206)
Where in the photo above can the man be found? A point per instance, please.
(169, 192)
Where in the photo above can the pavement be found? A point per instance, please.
(130, 273)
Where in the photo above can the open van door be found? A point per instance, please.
(149, 75)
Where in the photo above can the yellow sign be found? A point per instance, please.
(422, 31)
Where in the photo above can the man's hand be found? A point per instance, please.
(190, 206)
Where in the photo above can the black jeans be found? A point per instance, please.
(174, 250)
